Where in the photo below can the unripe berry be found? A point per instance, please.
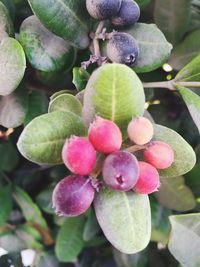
(129, 14)
(120, 170)
(159, 154)
(79, 155)
(105, 135)
(103, 9)
(148, 181)
(140, 130)
(122, 48)
(73, 195)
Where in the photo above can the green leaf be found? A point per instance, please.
(47, 260)
(143, 3)
(10, 157)
(10, 5)
(38, 105)
(30, 210)
(191, 72)
(194, 15)
(67, 19)
(80, 78)
(185, 157)
(13, 108)
(12, 65)
(6, 25)
(45, 50)
(184, 52)
(66, 102)
(125, 219)
(184, 240)
(12, 243)
(5, 203)
(174, 194)
(91, 227)
(113, 92)
(153, 46)
(69, 242)
(192, 101)
(172, 17)
(44, 200)
(42, 139)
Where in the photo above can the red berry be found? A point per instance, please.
(120, 170)
(140, 130)
(148, 181)
(159, 154)
(105, 135)
(73, 195)
(79, 155)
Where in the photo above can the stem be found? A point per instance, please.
(135, 148)
(166, 84)
(97, 51)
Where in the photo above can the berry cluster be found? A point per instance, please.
(120, 170)
(121, 47)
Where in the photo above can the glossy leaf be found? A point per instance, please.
(66, 19)
(184, 240)
(185, 157)
(125, 219)
(42, 139)
(12, 65)
(6, 25)
(153, 46)
(80, 78)
(10, 157)
(66, 102)
(191, 72)
(184, 52)
(45, 50)
(172, 17)
(192, 101)
(174, 194)
(5, 203)
(69, 242)
(13, 108)
(114, 92)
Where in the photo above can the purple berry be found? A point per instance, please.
(73, 195)
(121, 170)
(129, 14)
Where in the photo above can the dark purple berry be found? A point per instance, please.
(122, 48)
(73, 195)
(129, 14)
(121, 170)
(103, 9)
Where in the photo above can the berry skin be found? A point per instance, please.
(73, 195)
(159, 154)
(103, 9)
(79, 155)
(105, 135)
(140, 130)
(120, 171)
(122, 48)
(148, 181)
(129, 14)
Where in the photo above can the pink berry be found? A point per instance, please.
(159, 154)
(105, 135)
(79, 155)
(73, 195)
(140, 130)
(148, 181)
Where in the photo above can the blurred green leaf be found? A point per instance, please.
(143, 3)
(66, 102)
(10, 6)
(11, 242)
(174, 194)
(184, 156)
(13, 108)
(12, 65)
(5, 203)
(91, 227)
(71, 21)
(6, 25)
(192, 179)
(45, 50)
(80, 78)
(42, 139)
(10, 157)
(69, 242)
(11, 260)
(185, 51)
(114, 92)
(153, 46)
(184, 240)
(125, 219)
(44, 200)
(194, 15)
(46, 259)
